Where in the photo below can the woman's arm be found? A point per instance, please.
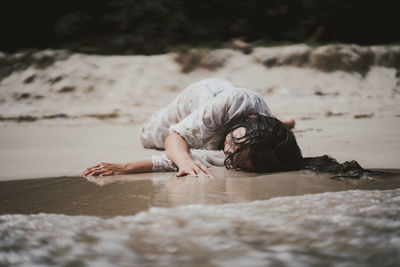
(105, 169)
(177, 150)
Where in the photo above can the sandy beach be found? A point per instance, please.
(76, 110)
(62, 111)
(32, 150)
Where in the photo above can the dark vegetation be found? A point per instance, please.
(158, 26)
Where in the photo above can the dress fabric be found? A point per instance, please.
(200, 114)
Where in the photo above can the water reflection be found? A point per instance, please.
(130, 194)
(351, 228)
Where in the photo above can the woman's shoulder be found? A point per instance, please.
(242, 101)
(241, 93)
(221, 86)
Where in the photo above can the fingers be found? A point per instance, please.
(88, 170)
(206, 170)
(203, 170)
(197, 169)
(100, 169)
(184, 172)
(107, 173)
(91, 169)
(96, 173)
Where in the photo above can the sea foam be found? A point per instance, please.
(351, 228)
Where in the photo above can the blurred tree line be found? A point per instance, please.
(157, 26)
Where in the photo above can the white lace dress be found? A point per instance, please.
(200, 114)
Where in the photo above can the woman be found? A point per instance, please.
(215, 123)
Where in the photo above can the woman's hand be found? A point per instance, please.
(193, 168)
(177, 150)
(105, 169)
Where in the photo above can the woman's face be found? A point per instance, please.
(240, 159)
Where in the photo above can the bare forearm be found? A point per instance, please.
(139, 166)
(177, 150)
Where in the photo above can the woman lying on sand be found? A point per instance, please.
(216, 123)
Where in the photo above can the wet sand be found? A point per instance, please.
(30, 152)
(130, 194)
(58, 149)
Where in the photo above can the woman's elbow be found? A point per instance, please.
(172, 136)
(174, 139)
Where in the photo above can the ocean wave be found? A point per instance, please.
(351, 228)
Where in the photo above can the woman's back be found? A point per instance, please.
(200, 113)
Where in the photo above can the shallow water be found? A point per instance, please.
(351, 228)
(129, 194)
(171, 221)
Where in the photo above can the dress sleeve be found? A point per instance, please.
(205, 122)
(161, 163)
(209, 158)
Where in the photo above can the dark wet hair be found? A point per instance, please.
(273, 148)
(348, 169)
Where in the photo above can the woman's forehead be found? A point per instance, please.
(239, 132)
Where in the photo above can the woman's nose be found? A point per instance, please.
(229, 149)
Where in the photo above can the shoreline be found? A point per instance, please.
(126, 195)
(144, 176)
(37, 151)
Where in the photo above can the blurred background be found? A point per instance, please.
(159, 26)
